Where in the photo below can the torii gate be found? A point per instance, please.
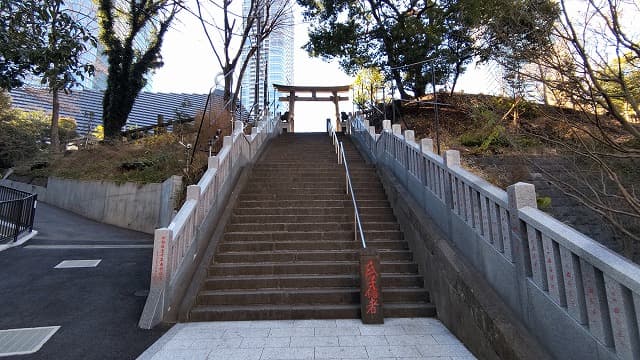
(314, 90)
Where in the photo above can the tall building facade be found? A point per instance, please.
(275, 64)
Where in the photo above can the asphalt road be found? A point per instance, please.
(97, 308)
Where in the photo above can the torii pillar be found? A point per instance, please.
(292, 105)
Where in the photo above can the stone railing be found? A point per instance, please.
(176, 246)
(580, 299)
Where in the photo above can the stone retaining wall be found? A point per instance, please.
(132, 206)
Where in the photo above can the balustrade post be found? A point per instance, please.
(426, 145)
(238, 126)
(193, 193)
(450, 158)
(396, 129)
(154, 310)
(520, 195)
(516, 247)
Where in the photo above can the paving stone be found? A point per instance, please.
(311, 341)
(362, 340)
(182, 355)
(265, 342)
(235, 354)
(292, 332)
(246, 333)
(444, 350)
(341, 352)
(382, 330)
(425, 330)
(287, 353)
(410, 339)
(353, 331)
(446, 339)
(228, 343)
(315, 323)
(375, 352)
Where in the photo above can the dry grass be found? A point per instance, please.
(148, 160)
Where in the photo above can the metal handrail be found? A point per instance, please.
(342, 159)
(357, 223)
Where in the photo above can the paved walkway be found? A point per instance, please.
(410, 338)
(97, 308)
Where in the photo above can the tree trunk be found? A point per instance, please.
(55, 116)
(116, 107)
(398, 80)
(455, 79)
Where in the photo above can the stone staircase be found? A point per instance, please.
(289, 250)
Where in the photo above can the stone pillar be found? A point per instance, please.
(370, 287)
(336, 103)
(237, 126)
(292, 105)
(193, 193)
(450, 158)
(410, 138)
(426, 145)
(520, 195)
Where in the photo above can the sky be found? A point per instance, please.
(190, 67)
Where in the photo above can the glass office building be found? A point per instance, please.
(276, 57)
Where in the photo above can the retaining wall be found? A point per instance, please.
(132, 206)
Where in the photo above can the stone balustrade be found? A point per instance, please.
(580, 299)
(176, 247)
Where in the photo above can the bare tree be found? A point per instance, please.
(594, 67)
(240, 35)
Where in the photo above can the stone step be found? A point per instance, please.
(328, 218)
(305, 281)
(304, 227)
(305, 203)
(305, 267)
(289, 250)
(326, 295)
(337, 195)
(311, 235)
(274, 312)
(311, 211)
(312, 184)
(303, 245)
(297, 255)
(318, 189)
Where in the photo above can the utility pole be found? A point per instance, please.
(265, 91)
(256, 100)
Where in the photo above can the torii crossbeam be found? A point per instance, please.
(334, 97)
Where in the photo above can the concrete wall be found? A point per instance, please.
(132, 206)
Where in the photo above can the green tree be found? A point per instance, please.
(594, 67)
(17, 39)
(131, 32)
(416, 42)
(49, 42)
(365, 85)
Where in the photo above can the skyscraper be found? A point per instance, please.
(275, 55)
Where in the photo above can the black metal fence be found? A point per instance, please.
(17, 210)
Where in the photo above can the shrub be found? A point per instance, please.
(21, 136)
